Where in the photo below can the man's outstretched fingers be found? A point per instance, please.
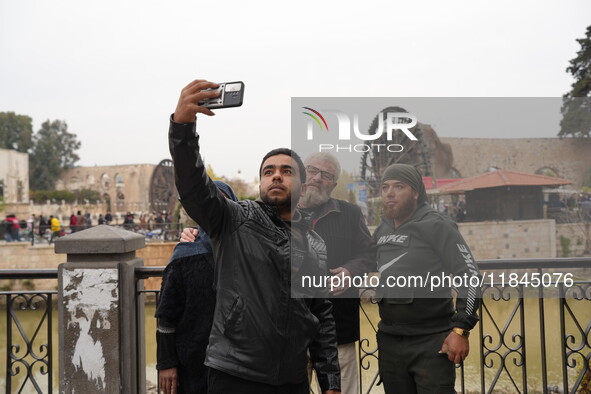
(188, 105)
(198, 85)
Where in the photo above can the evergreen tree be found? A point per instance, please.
(16, 132)
(576, 107)
(54, 151)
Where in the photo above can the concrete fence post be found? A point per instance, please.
(101, 349)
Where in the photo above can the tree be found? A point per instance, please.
(54, 151)
(342, 189)
(576, 107)
(16, 132)
(240, 187)
(209, 170)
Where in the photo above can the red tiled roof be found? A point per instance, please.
(502, 178)
(428, 181)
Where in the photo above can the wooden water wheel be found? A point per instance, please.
(374, 162)
(163, 194)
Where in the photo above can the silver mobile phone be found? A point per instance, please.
(232, 94)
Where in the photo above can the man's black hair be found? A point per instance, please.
(287, 152)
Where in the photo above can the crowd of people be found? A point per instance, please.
(234, 313)
(48, 228)
(16, 230)
(12, 228)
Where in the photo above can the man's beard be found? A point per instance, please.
(277, 201)
(403, 209)
(314, 197)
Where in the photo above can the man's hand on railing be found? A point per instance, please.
(189, 234)
(169, 380)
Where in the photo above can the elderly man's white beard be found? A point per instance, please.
(314, 197)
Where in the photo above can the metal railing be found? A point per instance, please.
(29, 345)
(503, 360)
(503, 363)
(513, 344)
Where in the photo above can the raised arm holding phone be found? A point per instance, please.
(260, 333)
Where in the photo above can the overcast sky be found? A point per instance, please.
(113, 70)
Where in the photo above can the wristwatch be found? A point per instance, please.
(461, 332)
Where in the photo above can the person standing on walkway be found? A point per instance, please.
(185, 313)
(80, 220)
(350, 253)
(73, 223)
(262, 325)
(421, 334)
(56, 228)
(43, 224)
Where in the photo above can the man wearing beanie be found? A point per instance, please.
(421, 333)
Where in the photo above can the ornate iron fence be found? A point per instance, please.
(29, 330)
(500, 357)
(556, 319)
(535, 308)
(575, 343)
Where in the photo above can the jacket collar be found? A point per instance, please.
(298, 217)
(302, 218)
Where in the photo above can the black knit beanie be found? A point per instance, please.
(407, 174)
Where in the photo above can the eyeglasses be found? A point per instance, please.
(327, 176)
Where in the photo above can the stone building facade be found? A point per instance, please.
(122, 187)
(568, 158)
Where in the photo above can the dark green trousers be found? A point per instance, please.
(412, 364)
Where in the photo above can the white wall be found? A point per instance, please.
(14, 167)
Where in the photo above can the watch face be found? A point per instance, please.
(462, 332)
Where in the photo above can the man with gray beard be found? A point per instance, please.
(350, 253)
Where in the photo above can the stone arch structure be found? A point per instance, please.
(122, 187)
(547, 171)
(119, 192)
(105, 181)
(454, 173)
(107, 199)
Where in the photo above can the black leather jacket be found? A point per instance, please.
(260, 331)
